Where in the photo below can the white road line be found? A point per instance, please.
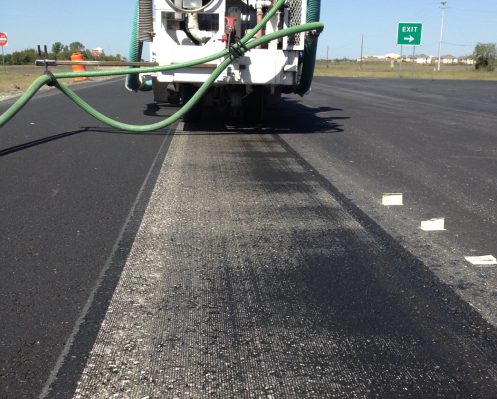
(79, 321)
(487, 260)
(436, 224)
(393, 199)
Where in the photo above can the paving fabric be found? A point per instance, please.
(247, 279)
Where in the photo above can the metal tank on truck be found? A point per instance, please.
(180, 30)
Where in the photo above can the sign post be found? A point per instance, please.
(4, 40)
(409, 33)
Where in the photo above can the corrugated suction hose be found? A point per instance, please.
(310, 49)
(141, 32)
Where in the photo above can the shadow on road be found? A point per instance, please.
(58, 136)
(157, 110)
(290, 117)
(43, 140)
(295, 117)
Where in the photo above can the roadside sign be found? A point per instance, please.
(409, 33)
(4, 40)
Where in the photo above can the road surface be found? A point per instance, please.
(218, 261)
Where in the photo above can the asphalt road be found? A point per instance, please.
(241, 262)
(433, 141)
(68, 187)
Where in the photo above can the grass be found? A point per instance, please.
(352, 69)
(15, 79)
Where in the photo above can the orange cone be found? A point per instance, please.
(78, 68)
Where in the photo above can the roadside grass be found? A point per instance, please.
(352, 69)
(15, 79)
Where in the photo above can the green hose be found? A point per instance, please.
(244, 45)
(310, 49)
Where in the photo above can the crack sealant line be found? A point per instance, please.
(91, 298)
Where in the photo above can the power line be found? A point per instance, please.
(458, 44)
(475, 11)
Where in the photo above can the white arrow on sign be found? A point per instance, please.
(409, 38)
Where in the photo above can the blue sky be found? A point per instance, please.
(106, 23)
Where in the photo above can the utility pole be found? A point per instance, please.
(443, 6)
(327, 56)
(401, 59)
(362, 50)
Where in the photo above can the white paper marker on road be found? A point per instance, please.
(437, 224)
(487, 260)
(393, 199)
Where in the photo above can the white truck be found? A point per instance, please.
(182, 30)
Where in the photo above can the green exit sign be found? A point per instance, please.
(409, 33)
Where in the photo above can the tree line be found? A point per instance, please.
(58, 51)
(485, 56)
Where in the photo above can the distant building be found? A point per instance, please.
(466, 60)
(392, 56)
(97, 51)
(422, 59)
(449, 59)
(387, 57)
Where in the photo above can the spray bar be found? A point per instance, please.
(95, 63)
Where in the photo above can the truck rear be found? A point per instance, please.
(181, 30)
